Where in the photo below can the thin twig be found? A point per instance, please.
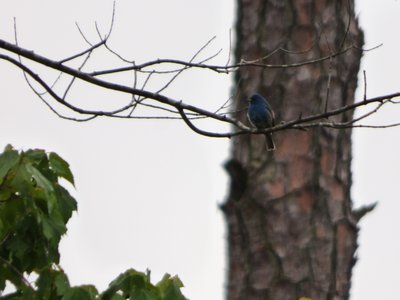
(365, 85)
(230, 48)
(223, 106)
(83, 52)
(73, 78)
(190, 61)
(365, 115)
(83, 36)
(223, 68)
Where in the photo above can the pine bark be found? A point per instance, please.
(291, 229)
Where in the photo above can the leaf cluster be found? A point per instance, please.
(137, 286)
(34, 211)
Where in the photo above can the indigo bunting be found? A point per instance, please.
(261, 116)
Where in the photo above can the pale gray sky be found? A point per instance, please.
(148, 191)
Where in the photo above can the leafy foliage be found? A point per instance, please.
(34, 211)
(136, 285)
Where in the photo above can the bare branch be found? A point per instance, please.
(200, 131)
(300, 122)
(93, 47)
(223, 68)
(177, 109)
(96, 81)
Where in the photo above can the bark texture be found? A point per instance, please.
(291, 229)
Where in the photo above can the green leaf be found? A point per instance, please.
(132, 284)
(40, 179)
(28, 294)
(170, 288)
(44, 284)
(61, 167)
(84, 292)
(143, 294)
(5, 193)
(51, 284)
(117, 297)
(22, 181)
(11, 211)
(35, 155)
(62, 283)
(8, 160)
(9, 147)
(52, 229)
(46, 189)
(66, 203)
(19, 247)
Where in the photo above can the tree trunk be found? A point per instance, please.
(291, 229)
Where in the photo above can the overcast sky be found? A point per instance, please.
(148, 191)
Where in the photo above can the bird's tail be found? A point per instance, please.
(270, 142)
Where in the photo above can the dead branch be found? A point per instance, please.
(173, 109)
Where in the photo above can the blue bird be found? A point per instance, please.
(261, 116)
